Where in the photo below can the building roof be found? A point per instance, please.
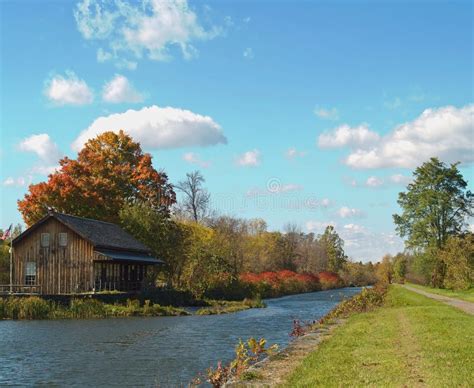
(132, 257)
(99, 233)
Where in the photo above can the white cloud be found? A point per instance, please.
(318, 227)
(345, 136)
(47, 151)
(248, 53)
(446, 133)
(158, 128)
(18, 182)
(471, 228)
(249, 159)
(68, 90)
(43, 146)
(327, 114)
(346, 212)
(374, 181)
(119, 89)
(400, 179)
(193, 158)
(292, 153)
(326, 202)
(149, 28)
(360, 242)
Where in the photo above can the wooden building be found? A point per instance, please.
(64, 254)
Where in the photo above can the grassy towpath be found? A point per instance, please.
(463, 305)
(412, 341)
(467, 295)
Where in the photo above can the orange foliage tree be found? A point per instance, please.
(110, 171)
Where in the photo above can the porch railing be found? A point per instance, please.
(20, 289)
(117, 286)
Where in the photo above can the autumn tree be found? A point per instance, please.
(384, 270)
(195, 202)
(109, 172)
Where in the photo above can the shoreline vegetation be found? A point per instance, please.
(37, 308)
(245, 293)
(249, 362)
(384, 336)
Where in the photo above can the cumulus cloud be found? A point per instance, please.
(193, 158)
(119, 89)
(446, 133)
(327, 114)
(42, 146)
(16, 182)
(68, 90)
(347, 212)
(47, 151)
(249, 159)
(292, 153)
(158, 128)
(400, 179)
(149, 28)
(318, 227)
(346, 136)
(374, 181)
(360, 242)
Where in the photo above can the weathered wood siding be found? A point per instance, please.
(59, 270)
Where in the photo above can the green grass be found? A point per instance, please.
(225, 307)
(464, 294)
(411, 341)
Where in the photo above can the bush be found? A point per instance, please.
(458, 257)
(367, 300)
(285, 282)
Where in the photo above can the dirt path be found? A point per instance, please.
(409, 348)
(463, 305)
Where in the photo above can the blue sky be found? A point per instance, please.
(308, 112)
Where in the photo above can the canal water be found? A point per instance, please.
(149, 352)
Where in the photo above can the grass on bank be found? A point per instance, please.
(37, 308)
(467, 295)
(411, 341)
(226, 307)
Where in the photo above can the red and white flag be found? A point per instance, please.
(7, 233)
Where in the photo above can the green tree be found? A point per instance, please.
(157, 231)
(399, 267)
(458, 256)
(435, 206)
(334, 246)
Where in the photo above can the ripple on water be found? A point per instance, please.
(158, 351)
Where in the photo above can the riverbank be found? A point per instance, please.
(410, 340)
(38, 308)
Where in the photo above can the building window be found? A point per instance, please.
(44, 240)
(62, 239)
(30, 278)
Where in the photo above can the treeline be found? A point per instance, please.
(436, 209)
(235, 258)
(210, 255)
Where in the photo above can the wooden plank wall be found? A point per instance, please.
(58, 270)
